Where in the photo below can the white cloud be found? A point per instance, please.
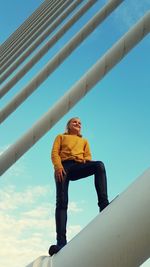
(74, 207)
(27, 225)
(23, 235)
(11, 199)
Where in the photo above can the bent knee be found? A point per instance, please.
(100, 164)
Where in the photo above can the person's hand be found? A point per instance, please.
(59, 174)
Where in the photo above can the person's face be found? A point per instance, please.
(75, 126)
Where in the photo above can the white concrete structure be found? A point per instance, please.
(117, 237)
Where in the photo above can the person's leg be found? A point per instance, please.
(60, 215)
(101, 185)
(61, 211)
(96, 168)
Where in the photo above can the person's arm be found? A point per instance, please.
(87, 152)
(56, 159)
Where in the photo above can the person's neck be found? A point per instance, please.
(74, 133)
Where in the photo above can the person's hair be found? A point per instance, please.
(67, 126)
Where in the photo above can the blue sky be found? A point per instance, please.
(115, 118)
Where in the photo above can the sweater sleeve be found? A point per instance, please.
(55, 153)
(87, 152)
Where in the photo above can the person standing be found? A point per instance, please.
(72, 160)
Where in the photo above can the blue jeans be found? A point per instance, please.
(75, 171)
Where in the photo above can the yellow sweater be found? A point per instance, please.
(69, 147)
